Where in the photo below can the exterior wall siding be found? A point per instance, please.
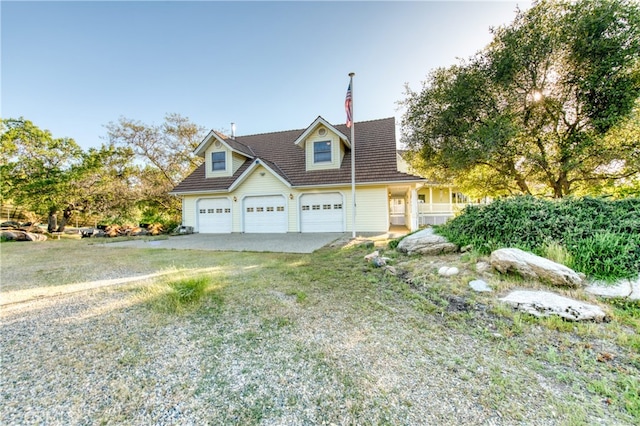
(372, 209)
(189, 210)
(237, 161)
(259, 182)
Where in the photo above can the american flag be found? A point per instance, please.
(348, 106)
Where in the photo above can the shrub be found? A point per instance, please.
(596, 236)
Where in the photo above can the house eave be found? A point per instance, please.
(200, 192)
(374, 183)
(202, 147)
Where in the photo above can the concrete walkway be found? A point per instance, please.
(277, 243)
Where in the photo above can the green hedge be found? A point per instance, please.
(602, 236)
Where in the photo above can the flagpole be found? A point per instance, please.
(353, 163)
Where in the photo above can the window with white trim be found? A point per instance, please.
(218, 161)
(322, 152)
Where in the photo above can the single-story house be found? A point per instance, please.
(300, 181)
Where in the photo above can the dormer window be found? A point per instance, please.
(322, 152)
(218, 161)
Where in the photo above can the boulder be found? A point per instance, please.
(8, 235)
(16, 235)
(30, 236)
(626, 289)
(544, 303)
(531, 266)
(426, 242)
(448, 271)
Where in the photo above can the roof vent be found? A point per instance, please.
(322, 131)
(233, 130)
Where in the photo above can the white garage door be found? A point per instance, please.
(265, 214)
(214, 216)
(322, 212)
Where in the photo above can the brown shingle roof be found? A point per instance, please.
(375, 159)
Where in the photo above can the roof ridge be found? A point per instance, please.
(244, 145)
(302, 130)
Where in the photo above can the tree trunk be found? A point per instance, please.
(52, 221)
(561, 186)
(66, 215)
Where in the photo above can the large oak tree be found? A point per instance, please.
(550, 107)
(48, 176)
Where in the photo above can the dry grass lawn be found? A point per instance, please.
(287, 339)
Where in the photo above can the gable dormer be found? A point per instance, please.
(222, 157)
(324, 146)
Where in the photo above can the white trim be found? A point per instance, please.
(333, 185)
(202, 147)
(319, 187)
(202, 192)
(315, 124)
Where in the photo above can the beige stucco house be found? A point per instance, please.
(300, 181)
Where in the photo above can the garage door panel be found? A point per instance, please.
(214, 216)
(265, 214)
(322, 212)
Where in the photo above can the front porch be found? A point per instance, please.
(427, 205)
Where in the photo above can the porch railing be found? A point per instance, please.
(428, 214)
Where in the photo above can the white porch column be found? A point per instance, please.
(450, 200)
(431, 199)
(413, 226)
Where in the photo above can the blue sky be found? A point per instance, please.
(72, 67)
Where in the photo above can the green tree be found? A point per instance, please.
(164, 154)
(38, 171)
(48, 176)
(536, 111)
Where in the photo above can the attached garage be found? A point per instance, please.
(322, 212)
(214, 216)
(264, 214)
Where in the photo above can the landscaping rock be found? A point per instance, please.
(426, 242)
(544, 303)
(531, 266)
(482, 267)
(626, 289)
(16, 235)
(8, 235)
(376, 259)
(372, 255)
(379, 261)
(480, 286)
(30, 236)
(448, 271)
